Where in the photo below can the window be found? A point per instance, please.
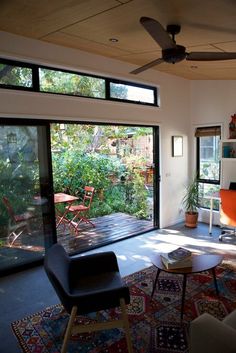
(63, 82)
(15, 76)
(123, 91)
(32, 77)
(208, 163)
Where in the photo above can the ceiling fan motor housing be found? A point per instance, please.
(173, 29)
(174, 55)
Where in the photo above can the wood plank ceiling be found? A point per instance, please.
(206, 25)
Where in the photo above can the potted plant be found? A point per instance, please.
(191, 204)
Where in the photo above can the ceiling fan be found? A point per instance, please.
(171, 52)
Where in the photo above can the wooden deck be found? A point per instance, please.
(107, 229)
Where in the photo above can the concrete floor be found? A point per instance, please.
(29, 291)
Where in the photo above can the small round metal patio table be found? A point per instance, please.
(200, 263)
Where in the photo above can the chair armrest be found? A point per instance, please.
(93, 264)
(209, 335)
(56, 265)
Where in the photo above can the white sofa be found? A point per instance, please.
(210, 335)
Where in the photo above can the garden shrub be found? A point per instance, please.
(72, 171)
(19, 183)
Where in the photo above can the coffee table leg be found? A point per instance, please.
(155, 282)
(215, 280)
(183, 295)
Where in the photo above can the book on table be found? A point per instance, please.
(179, 254)
(170, 263)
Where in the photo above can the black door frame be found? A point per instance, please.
(47, 185)
(157, 176)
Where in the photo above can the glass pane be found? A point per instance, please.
(132, 93)
(15, 76)
(205, 192)
(23, 209)
(117, 161)
(69, 83)
(209, 158)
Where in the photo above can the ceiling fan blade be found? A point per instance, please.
(147, 66)
(210, 56)
(157, 32)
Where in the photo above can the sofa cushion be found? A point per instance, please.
(230, 319)
(209, 335)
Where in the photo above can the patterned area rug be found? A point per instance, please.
(155, 323)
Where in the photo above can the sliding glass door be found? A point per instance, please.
(26, 205)
(41, 159)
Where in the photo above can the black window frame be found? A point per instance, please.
(128, 83)
(200, 180)
(108, 80)
(73, 73)
(25, 65)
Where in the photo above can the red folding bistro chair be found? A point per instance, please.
(18, 223)
(80, 211)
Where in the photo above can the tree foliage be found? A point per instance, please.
(16, 76)
(91, 138)
(71, 83)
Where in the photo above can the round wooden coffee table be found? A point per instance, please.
(200, 263)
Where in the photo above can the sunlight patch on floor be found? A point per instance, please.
(141, 257)
(122, 257)
(170, 239)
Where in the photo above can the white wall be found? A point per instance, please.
(211, 102)
(173, 115)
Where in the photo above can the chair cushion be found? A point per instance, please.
(98, 292)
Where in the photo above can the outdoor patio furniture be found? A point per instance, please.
(80, 211)
(66, 199)
(17, 223)
(88, 284)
